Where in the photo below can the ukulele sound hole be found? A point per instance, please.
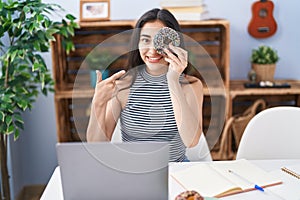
(263, 13)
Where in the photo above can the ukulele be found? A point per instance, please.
(262, 23)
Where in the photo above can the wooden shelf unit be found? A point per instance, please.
(72, 82)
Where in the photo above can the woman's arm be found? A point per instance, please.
(187, 104)
(187, 99)
(105, 109)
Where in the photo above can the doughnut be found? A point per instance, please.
(189, 195)
(164, 37)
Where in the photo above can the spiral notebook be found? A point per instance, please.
(291, 182)
(292, 170)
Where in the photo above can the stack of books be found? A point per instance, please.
(186, 9)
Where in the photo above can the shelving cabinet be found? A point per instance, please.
(73, 93)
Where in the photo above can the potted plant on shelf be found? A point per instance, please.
(99, 60)
(264, 60)
(26, 31)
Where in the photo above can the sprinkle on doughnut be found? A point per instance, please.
(189, 195)
(164, 37)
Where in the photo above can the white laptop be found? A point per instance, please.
(105, 170)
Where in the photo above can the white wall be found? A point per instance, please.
(34, 156)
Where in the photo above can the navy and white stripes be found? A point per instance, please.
(149, 116)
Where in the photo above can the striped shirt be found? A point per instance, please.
(149, 116)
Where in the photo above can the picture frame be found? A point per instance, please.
(94, 10)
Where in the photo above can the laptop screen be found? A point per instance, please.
(107, 170)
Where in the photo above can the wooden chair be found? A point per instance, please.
(233, 131)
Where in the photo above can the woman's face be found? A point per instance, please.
(155, 62)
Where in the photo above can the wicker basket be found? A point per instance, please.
(264, 72)
(241, 121)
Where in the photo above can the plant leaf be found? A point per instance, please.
(2, 116)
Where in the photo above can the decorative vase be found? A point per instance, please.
(264, 72)
(93, 76)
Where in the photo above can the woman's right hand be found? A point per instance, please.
(100, 128)
(105, 89)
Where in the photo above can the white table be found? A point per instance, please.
(289, 190)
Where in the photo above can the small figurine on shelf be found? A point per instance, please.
(252, 76)
(266, 84)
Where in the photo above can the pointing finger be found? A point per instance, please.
(116, 76)
(99, 76)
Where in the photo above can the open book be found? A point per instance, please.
(216, 179)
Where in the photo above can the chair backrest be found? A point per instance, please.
(273, 133)
(200, 152)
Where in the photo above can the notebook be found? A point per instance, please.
(114, 170)
(219, 179)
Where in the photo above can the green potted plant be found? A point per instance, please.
(100, 60)
(26, 31)
(264, 60)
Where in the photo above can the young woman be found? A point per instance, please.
(159, 102)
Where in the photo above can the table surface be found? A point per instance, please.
(289, 190)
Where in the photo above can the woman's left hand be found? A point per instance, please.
(177, 63)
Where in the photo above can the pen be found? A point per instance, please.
(246, 180)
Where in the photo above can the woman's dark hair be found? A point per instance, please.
(162, 15)
(135, 61)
